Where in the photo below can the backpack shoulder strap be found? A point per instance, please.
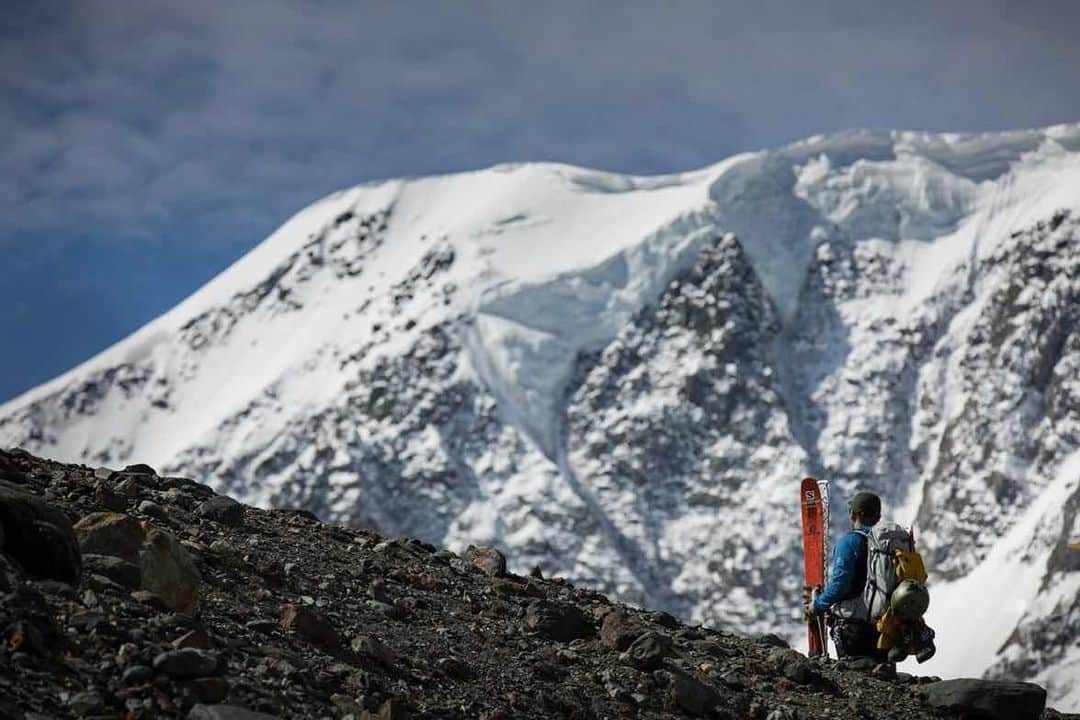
(874, 548)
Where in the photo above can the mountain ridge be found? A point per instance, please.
(456, 357)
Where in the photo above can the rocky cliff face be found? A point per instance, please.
(621, 379)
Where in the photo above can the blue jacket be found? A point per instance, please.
(848, 577)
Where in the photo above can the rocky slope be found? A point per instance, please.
(167, 600)
(621, 379)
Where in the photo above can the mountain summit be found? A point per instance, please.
(620, 379)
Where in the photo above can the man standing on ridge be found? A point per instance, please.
(852, 635)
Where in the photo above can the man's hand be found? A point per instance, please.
(808, 604)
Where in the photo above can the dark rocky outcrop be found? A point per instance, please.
(37, 535)
(293, 618)
(223, 510)
(987, 699)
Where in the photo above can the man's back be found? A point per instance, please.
(848, 577)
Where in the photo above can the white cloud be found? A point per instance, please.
(135, 116)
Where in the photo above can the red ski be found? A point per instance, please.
(813, 538)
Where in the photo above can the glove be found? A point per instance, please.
(808, 604)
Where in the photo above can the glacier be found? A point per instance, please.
(621, 379)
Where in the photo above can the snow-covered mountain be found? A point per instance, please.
(622, 379)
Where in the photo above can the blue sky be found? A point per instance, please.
(145, 145)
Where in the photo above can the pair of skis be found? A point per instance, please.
(814, 499)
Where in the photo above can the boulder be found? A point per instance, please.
(169, 571)
(618, 630)
(487, 559)
(988, 699)
(222, 509)
(116, 569)
(129, 487)
(109, 498)
(309, 625)
(798, 670)
(691, 695)
(110, 533)
(38, 536)
(554, 621)
(151, 508)
(372, 647)
(647, 653)
(140, 469)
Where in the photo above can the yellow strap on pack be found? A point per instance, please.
(909, 566)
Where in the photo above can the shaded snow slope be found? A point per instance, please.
(620, 378)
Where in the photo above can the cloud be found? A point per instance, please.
(135, 117)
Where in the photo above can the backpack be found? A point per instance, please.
(890, 559)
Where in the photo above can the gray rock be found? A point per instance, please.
(116, 569)
(692, 695)
(222, 509)
(309, 625)
(151, 508)
(129, 487)
(86, 703)
(799, 671)
(391, 611)
(562, 623)
(618, 630)
(187, 663)
(109, 533)
(372, 647)
(487, 559)
(772, 640)
(140, 469)
(137, 675)
(226, 712)
(990, 699)
(109, 498)
(647, 653)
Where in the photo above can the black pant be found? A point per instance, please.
(855, 638)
